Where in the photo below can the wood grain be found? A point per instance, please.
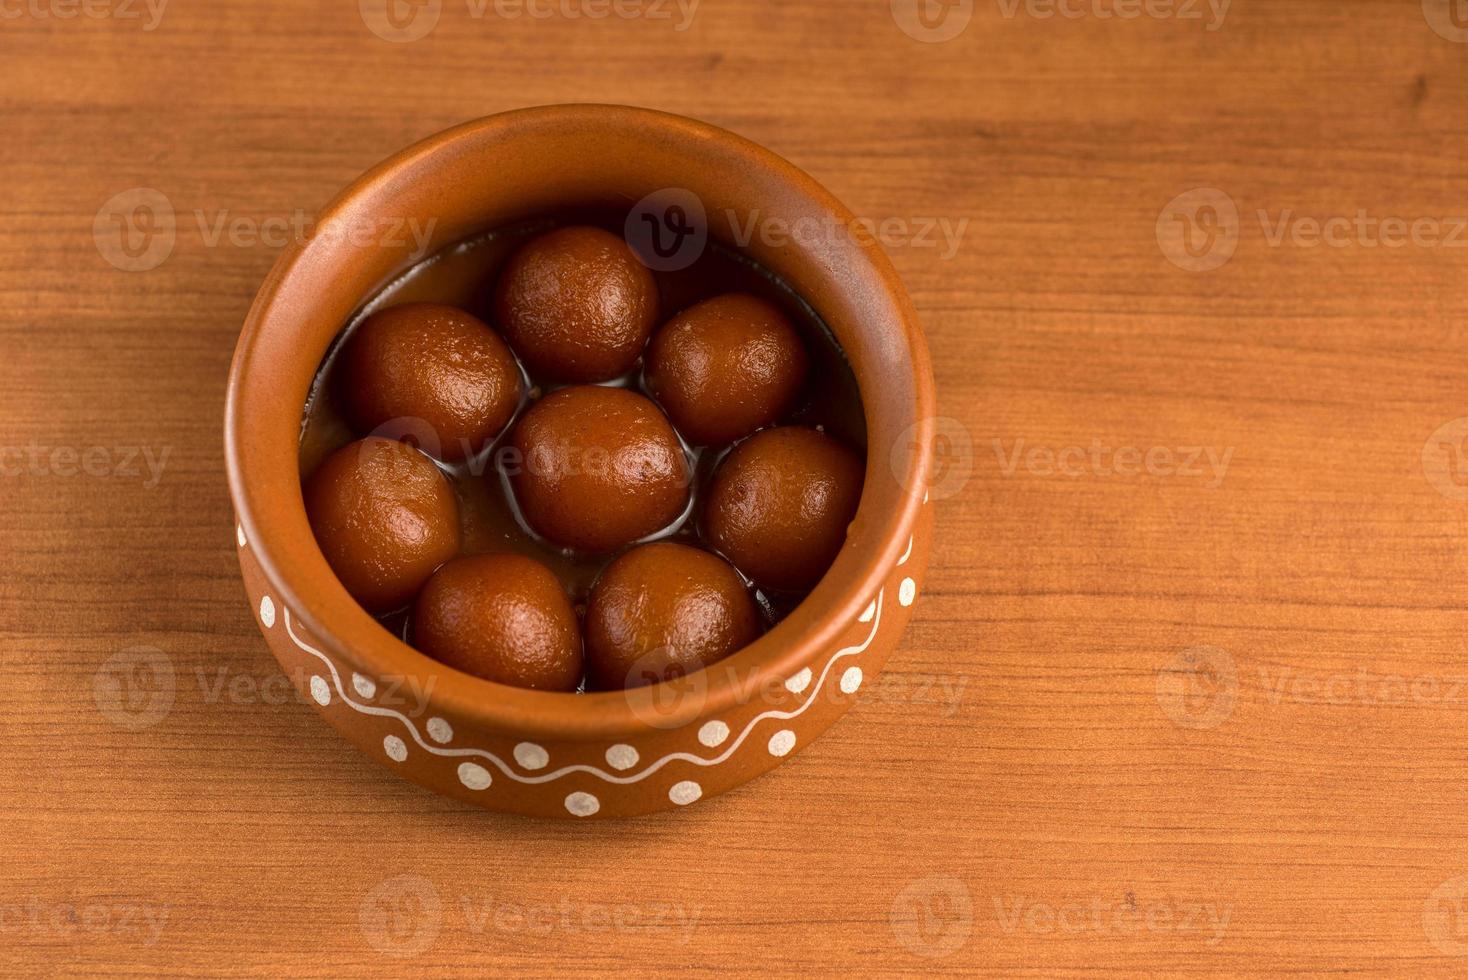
(1155, 720)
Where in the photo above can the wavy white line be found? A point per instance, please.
(439, 750)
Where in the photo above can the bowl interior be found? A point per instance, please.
(659, 169)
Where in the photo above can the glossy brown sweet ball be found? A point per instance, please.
(779, 505)
(504, 618)
(595, 468)
(384, 517)
(665, 610)
(726, 367)
(425, 364)
(577, 305)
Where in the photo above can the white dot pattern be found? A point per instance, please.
(582, 804)
(531, 756)
(685, 792)
(474, 776)
(622, 757)
(713, 734)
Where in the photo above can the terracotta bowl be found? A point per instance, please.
(580, 755)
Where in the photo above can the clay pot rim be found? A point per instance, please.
(313, 596)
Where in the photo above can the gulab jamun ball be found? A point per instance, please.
(504, 618)
(576, 305)
(726, 367)
(431, 364)
(385, 517)
(665, 610)
(779, 505)
(596, 468)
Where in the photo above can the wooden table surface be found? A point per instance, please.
(1185, 691)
